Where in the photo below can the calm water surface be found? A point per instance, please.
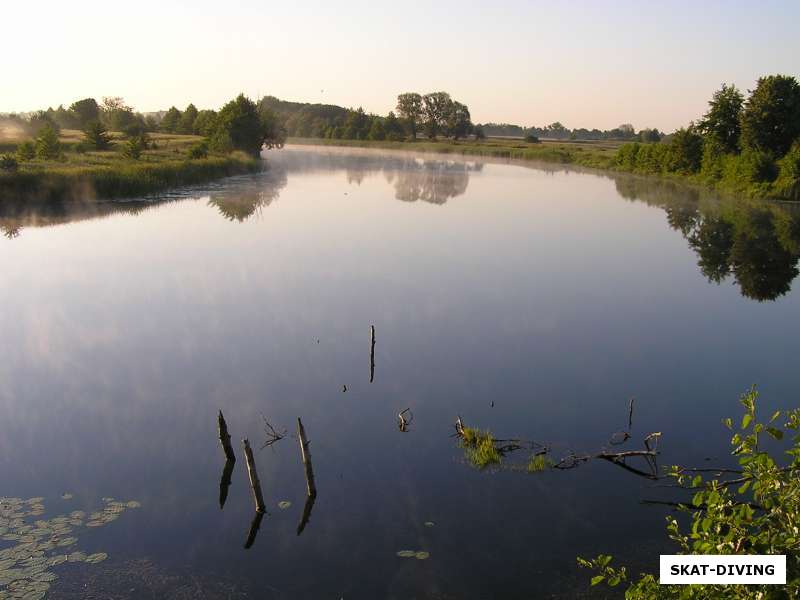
(531, 301)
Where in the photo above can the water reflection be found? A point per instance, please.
(240, 202)
(757, 243)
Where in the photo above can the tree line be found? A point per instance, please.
(240, 124)
(745, 144)
(558, 131)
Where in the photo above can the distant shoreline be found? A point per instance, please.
(590, 154)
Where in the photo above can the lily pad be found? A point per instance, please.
(96, 558)
(284, 504)
(429, 523)
(66, 496)
(422, 555)
(406, 554)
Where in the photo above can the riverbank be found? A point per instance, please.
(108, 174)
(734, 177)
(597, 155)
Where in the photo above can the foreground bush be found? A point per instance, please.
(756, 511)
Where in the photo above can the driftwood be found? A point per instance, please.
(371, 353)
(404, 421)
(255, 484)
(305, 454)
(306, 513)
(225, 438)
(225, 482)
(253, 531)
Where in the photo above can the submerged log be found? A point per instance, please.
(225, 438)
(306, 456)
(255, 484)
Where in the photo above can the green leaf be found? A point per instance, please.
(728, 423)
(745, 486)
(597, 579)
(746, 420)
(776, 433)
(775, 416)
(613, 581)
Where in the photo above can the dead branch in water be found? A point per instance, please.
(255, 484)
(305, 453)
(372, 353)
(402, 421)
(272, 434)
(306, 513)
(225, 438)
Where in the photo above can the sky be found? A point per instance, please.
(583, 63)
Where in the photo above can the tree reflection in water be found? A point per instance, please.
(755, 242)
(245, 196)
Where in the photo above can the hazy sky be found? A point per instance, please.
(586, 64)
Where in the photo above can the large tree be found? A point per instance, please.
(722, 122)
(170, 120)
(85, 111)
(185, 124)
(771, 116)
(409, 107)
(435, 110)
(239, 126)
(459, 123)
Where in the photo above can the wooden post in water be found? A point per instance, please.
(255, 484)
(225, 438)
(372, 353)
(306, 456)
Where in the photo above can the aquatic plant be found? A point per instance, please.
(479, 447)
(43, 544)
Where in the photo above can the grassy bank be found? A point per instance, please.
(600, 155)
(109, 174)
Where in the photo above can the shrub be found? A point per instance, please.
(530, 138)
(745, 171)
(787, 184)
(134, 147)
(759, 515)
(626, 156)
(26, 151)
(199, 150)
(95, 136)
(47, 145)
(713, 161)
(8, 163)
(685, 152)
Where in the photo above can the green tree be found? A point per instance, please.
(377, 130)
(41, 119)
(116, 115)
(169, 123)
(187, 119)
(272, 127)
(85, 111)
(240, 127)
(47, 145)
(480, 134)
(134, 147)
(458, 120)
(205, 122)
(393, 128)
(436, 110)
(409, 107)
(771, 116)
(96, 136)
(685, 151)
(26, 151)
(722, 122)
